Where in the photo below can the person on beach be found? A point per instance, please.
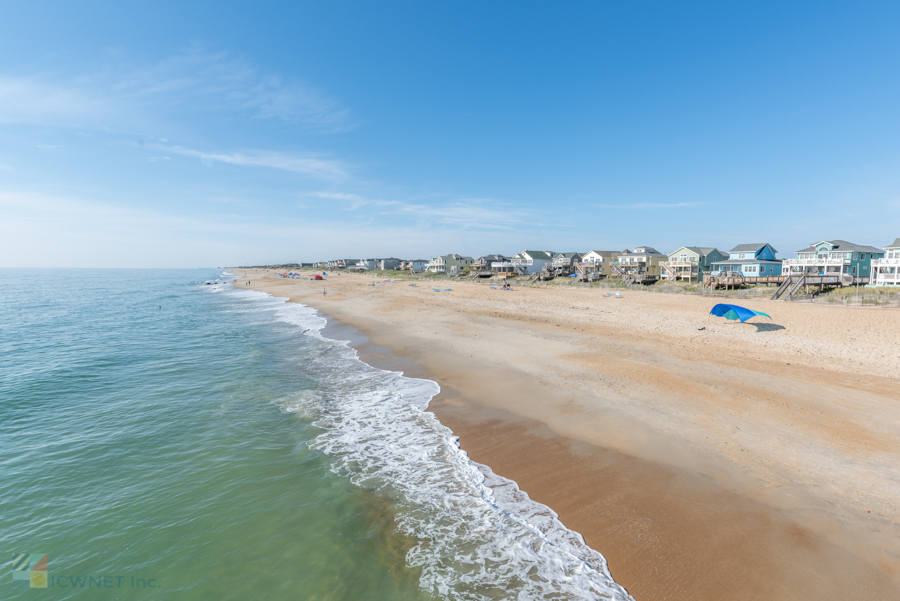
(324, 292)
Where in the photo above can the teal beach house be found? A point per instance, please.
(833, 257)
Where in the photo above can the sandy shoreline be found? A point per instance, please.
(735, 462)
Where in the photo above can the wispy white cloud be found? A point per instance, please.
(465, 213)
(123, 92)
(218, 80)
(642, 206)
(313, 166)
(332, 195)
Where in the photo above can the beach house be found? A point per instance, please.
(341, 263)
(642, 261)
(886, 269)
(367, 264)
(599, 261)
(691, 263)
(566, 260)
(449, 264)
(532, 261)
(749, 260)
(833, 257)
(487, 261)
(389, 263)
(414, 264)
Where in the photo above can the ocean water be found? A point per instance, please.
(168, 439)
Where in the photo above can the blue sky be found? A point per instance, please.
(182, 134)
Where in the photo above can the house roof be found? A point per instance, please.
(539, 254)
(568, 255)
(456, 257)
(896, 244)
(746, 262)
(841, 245)
(755, 247)
(700, 250)
(605, 253)
(493, 258)
(650, 253)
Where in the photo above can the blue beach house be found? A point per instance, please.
(750, 260)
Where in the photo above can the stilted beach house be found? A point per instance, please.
(886, 269)
(833, 257)
(599, 262)
(643, 260)
(750, 260)
(691, 263)
(449, 264)
(532, 261)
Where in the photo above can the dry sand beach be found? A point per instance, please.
(741, 461)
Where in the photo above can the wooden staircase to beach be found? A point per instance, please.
(792, 285)
(782, 289)
(668, 271)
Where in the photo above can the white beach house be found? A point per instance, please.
(886, 270)
(367, 264)
(414, 264)
(532, 261)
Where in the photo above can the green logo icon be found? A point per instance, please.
(31, 567)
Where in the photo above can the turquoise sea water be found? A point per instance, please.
(219, 447)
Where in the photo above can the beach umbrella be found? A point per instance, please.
(736, 312)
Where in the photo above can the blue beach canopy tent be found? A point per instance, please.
(735, 312)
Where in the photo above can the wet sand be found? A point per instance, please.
(734, 462)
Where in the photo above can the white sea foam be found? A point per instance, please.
(478, 536)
